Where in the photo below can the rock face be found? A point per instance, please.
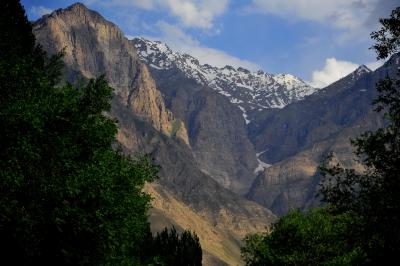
(217, 130)
(299, 136)
(93, 47)
(146, 101)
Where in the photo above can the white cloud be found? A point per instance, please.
(39, 11)
(180, 41)
(332, 71)
(349, 15)
(375, 65)
(191, 13)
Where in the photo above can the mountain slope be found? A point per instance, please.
(299, 136)
(321, 115)
(94, 47)
(217, 131)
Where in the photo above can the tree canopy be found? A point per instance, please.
(318, 237)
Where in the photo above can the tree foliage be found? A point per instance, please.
(388, 37)
(173, 249)
(66, 197)
(318, 237)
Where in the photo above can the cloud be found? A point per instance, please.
(130, 37)
(39, 11)
(190, 13)
(180, 41)
(375, 65)
(332, 71)
(349, 15)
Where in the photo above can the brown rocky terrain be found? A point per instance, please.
(93, 47)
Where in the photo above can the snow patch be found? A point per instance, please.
(261, 165)
(244, 114)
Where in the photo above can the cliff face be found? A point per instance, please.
(146, 101)
(94, 46)
(146, 126)
(217, 129)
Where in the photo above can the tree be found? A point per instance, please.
(174, 249)
(388, 37)
(66, 197)
(318, 237)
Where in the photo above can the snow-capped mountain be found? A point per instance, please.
(248, 90)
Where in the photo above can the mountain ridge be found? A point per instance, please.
(245, 89)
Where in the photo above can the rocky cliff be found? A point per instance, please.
(94, 46)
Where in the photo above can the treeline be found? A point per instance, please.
(360, 223)
(66, 196)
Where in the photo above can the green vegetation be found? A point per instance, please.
(66, 197)
(318, 237)
(361, 224)
(173, 249)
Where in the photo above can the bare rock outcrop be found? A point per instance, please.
(93, 47)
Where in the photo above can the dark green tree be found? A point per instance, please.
(318, 237)
(66, 197)
(172, 248)
(374, 194)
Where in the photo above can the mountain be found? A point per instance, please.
(284, 132)
(217, 104)
(296, 138)
(147, 124)
(247, 90)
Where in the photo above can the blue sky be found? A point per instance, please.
(317, 40)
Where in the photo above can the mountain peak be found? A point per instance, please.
(77, 5)
(229, 67)
(362, 70)
(76, 12)
(76, 8)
